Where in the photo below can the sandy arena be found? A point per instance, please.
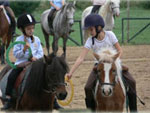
(137, 58)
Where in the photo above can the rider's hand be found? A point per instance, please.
(26, 46)
(1, 6)
(57, 8)
(33, 59)
(69, 75)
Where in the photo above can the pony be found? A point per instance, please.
(109, 91)
(62, 23)
(43, 81)
(5, 33)
(108, 11)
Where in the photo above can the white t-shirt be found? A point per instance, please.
(109, 40)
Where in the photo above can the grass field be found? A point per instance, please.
(135, 26)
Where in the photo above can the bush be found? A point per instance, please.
(20, 7)
(82, 4)
(137, 4)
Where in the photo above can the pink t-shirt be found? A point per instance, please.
(98, 2)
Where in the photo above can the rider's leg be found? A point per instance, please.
(50, 16)
(129, 81)
(12, 17)
(90, 85)
(10, 84)
(95, 8)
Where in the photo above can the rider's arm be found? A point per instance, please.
(63, 2)
(117, 46)
(39, 50)
(53, 5)
(79, 61)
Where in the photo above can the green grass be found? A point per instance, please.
(135, 26)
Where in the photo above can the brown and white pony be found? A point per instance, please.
(110, 91)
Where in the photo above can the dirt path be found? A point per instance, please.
(137, 58)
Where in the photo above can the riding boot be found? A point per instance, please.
(95, 9)
(90, 104)
(50, 18)
(7, 104)
(90, 85)
(131, 93)
(132, 102)
(56, 105)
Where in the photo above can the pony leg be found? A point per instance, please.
(2, 49)
(8, 39)
(55, 45)
(46, 36)
(64, 47)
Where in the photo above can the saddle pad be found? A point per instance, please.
(3, 84)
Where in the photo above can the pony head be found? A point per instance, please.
(114, 7)
(55, 75)
(69, 9)
(108, 69)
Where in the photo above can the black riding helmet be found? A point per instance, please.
(94, 20)
(25, 20)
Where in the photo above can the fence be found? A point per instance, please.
(138, 32)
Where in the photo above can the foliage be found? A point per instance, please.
(142, 4)
(20, 7)
(82, 4)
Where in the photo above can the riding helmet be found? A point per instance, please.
(25, 20)
(93, 20)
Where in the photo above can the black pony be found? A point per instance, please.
(44, 81)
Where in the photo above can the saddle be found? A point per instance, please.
(4, 76)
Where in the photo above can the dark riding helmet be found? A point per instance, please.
(25, 20)
(93, 20)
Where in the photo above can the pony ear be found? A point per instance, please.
(96, 56)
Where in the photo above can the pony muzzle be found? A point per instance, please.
(62, 95)
(107, 91)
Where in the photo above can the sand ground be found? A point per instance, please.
(137, 58)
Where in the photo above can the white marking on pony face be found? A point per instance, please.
(70, 16)
(107, 88)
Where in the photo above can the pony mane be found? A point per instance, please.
(37, 75)
(107, 54)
